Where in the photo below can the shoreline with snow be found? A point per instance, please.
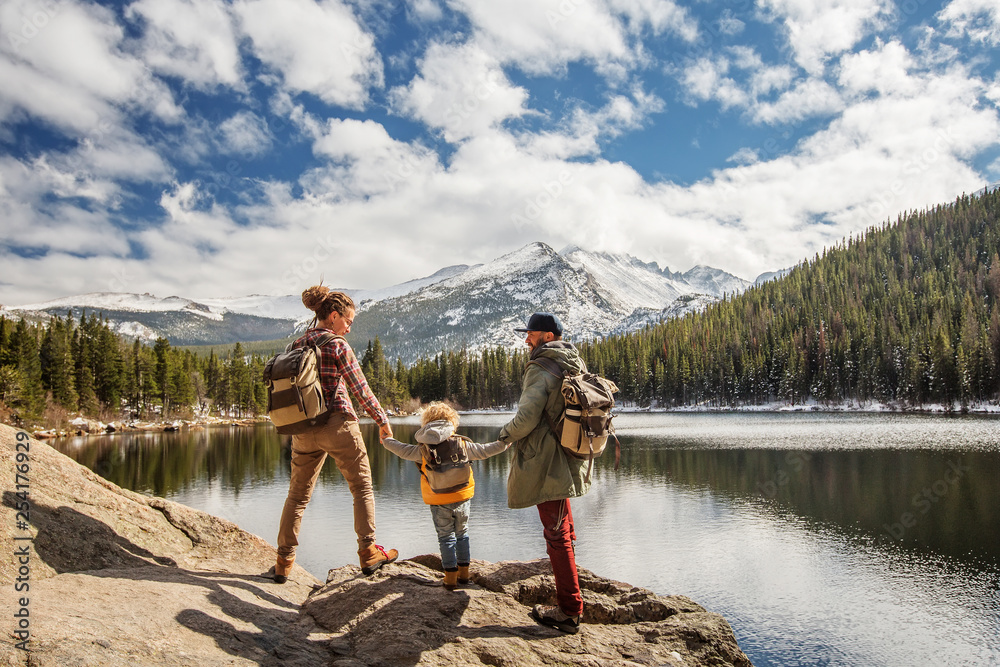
(83, 426)
(853, 407)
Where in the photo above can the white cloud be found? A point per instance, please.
(426, 10)
(460, 90)
(978, 19)
(71, 69)
(31, 220)
(366, 161)
(319, 48)
(729, 24)
(808, 98)
(884, 70)
(818, 29)
(245, 133)
(767, 80)
(744, 155)
(369, 209)
(661, 15)
(192, 40)
(542, 38)
(705, 79)
(196, 229)
(583, 127)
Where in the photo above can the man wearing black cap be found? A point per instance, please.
(541, 474)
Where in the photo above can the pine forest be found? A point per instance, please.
(904, 314)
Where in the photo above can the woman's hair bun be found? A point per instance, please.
(313, 297)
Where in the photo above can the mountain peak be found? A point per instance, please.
(594, 293)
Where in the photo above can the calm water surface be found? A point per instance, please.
(824, 539)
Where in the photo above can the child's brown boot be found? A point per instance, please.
(450, 579)
(463, 574)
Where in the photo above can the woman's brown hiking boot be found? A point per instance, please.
(375, 557)
(282, 568)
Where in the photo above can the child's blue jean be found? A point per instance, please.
(452, 523)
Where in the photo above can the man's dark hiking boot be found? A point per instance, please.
(555, 618)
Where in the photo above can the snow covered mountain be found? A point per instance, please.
(595, 294)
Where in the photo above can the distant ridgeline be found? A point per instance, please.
(905, 313)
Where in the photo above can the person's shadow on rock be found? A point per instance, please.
(70, 541)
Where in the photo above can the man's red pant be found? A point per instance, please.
(557, 520)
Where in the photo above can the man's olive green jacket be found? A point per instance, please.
(540, 470)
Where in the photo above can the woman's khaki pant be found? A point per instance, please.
(341, 438)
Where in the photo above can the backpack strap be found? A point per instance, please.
(327, 337)
(323, 340)
(546, 364)
(552, 368)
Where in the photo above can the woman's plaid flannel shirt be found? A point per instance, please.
(339, 367)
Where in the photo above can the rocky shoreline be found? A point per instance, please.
(82, 426)
(99, 575)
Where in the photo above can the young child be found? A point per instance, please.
(446, 482)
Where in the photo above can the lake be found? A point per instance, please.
(823, 538)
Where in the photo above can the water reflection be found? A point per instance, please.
(823, 539)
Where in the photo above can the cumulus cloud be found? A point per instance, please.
(806, 99)
(318, 48)
(67, 64)
(729, 24)
(192, 40)
(817, 30)
(977, 19)
(245, 133)
(365, 161)
(461, 90)
(426, 10)
(706, 79)
(662, 16)
(496, 130)
(542, 38)
(584, 128)
(884, 70)
(34, 220)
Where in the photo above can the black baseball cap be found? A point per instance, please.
(543, 322)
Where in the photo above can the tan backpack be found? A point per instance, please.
(585, 425)
(446, 464)
(295, 400)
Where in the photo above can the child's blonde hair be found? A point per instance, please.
(438, 410)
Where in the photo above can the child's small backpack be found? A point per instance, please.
(295, 399)
(585, 425)
(446, 464)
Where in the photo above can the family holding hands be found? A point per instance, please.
(541, 475)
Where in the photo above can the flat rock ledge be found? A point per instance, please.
(122, 579)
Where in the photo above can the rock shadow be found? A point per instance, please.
(70, 541)
(402, 613)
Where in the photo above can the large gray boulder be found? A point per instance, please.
(120, 578)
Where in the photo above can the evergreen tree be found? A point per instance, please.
(28, 397)
(56, 359)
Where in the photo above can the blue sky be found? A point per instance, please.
(213, 149)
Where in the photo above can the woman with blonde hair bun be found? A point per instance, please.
(340, 437)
